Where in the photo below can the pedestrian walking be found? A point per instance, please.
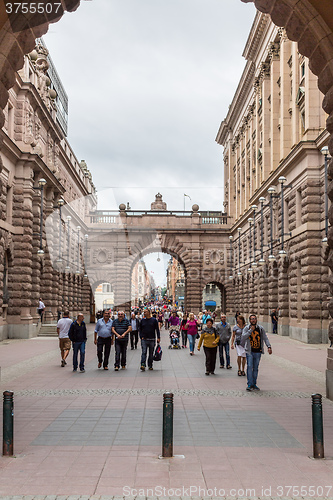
(78, 336)
(134, 334)
(174, 320)
(183, 329)
(41, 309)
(166, 319)
(149, 333)
(236, 341)
(275, 319)
(121, 328)
(63, 327)
(160, 319)
(223, 329)
(210, 340)
(103, 339)
(253, 339)
(204, 317)
(192, 332)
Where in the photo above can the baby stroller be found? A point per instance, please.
(174, 338)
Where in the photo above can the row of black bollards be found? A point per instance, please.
(167, 431)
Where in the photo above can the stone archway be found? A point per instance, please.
(308, 22)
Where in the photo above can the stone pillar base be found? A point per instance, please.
(306, 335)
(19, 331)
(329, 374)
(283, 330)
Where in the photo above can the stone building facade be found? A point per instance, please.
(275, 185)
(34, 149)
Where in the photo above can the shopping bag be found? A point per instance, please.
(158, 353)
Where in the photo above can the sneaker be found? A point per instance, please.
(116, 368)
(62, 362)
(221, 366)
(229, 367)
(65, 362)
(83, 370)
(255, 388)
(142, 368)
(99, 365)
(207, 373)
(151, 368)
(249, 388)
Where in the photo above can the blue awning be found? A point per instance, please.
(210, 303)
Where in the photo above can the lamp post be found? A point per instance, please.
(41, 184)
(78, 228)
(254, 208)
(324, 151)
(69, 218)
(60, 204)
(239, 232)
(271, 190)
(231, 259)
(86, 254)
(250, 220)
(282, 180)
(262, 202)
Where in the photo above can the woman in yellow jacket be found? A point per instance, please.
(210, 340)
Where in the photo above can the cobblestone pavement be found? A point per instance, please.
(97, 435)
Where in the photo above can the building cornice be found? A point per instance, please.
(228, 124)
(255, 37)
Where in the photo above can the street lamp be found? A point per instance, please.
(86, 254)
(239, 232)
(282, 180)
(60, 204)
(262, 202)
(271, 190)
(324, 151)
(41, 184)
(250, 220)
(69, 218)
(78, 228)
(254, 208)
(231, 259)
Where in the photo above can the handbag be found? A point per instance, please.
(158, 353)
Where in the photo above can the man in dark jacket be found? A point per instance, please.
(148, 331)
(135, 323)
(78, 335)
(121, 328)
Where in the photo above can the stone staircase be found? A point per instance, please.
(48, 330)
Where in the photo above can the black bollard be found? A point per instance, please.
(167, 445)
(8, 424)
(317, 426)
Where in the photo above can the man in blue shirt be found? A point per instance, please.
(104, 339)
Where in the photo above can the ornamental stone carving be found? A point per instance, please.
(214, 257)
(102, 256)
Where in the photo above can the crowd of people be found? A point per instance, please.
(215, 335)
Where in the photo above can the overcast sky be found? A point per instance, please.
(149, 82)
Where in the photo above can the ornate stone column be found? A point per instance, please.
(283, 296)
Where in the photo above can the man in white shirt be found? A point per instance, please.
(41, 309)
(63, 326)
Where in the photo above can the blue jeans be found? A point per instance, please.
(191, 339)
(226, 347)
(252, 361)
(79, 346)
(274, 323)
(147, 345)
